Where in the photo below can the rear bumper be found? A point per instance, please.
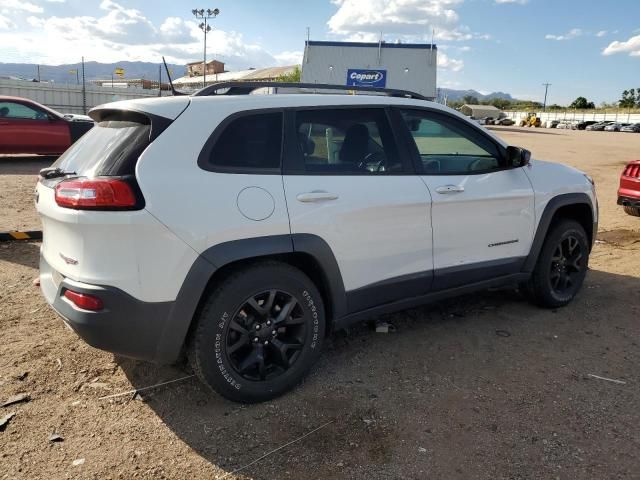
(126, 326)
(629, 201)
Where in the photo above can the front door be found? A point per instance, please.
(348, 185)
(27, 129)
(482, 211)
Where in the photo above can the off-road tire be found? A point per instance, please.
(633, 211)
(544, 286)
(227, 311)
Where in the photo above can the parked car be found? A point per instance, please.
(598, 127)
(566, 124)
(632, 127)
(507, 122)
(615, 127)
(551, 123)
(242, 229)
(583, 125)
(629, 191)
(28, 127)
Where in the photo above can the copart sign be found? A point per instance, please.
(367, 78)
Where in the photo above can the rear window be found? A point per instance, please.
(111, 147)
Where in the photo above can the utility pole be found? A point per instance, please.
(205, 16)
(84, 90)
(38, 73)
(546, 89)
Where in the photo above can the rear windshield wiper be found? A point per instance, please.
(52, 172)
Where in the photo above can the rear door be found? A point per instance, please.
(482, 211)
(346, 183)
(28, 129)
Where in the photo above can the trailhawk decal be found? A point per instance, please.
(367, 78)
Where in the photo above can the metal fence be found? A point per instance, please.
(68, 98)
(582, 115)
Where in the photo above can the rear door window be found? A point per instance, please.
(346, 142)
(111, 147)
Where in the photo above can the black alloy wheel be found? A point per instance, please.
(566, 264)
(266, 335)
(259, 331)
(561, 266)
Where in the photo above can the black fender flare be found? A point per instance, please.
(550, 210)
(214, 258)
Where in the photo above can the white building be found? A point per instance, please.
(404, 66)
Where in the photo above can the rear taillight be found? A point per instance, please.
(96, 193)
(84, 300)
(632, 170)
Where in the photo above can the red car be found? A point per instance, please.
(28, 127)
(629, 191)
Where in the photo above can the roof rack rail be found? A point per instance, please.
(246, 87)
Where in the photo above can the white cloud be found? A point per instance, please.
(520, 2)
(573, 33)
(119, 33)
(405, 20)
(410, 20)
(447, 63)
(6, 23)
(289, 58)
(601, 33)
(8, 5)
(631, 46)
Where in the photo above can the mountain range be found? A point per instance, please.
(148, 70)
(457, 95)
(92, 71)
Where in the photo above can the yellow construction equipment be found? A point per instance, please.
(531, 120)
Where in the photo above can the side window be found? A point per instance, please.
(250, 142)
(346, 141)
(449, 147)
(18, 110)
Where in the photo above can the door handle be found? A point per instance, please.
(444, 189)
(316, 196)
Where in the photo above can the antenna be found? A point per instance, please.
(173, 90)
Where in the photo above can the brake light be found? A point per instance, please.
(84, 300)
(632, 170)
(96, 193)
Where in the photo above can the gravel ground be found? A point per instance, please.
(485, 387)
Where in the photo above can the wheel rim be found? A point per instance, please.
(266, 335)
(566, 265)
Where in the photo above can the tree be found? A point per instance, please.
(628, 99)
(470, 100)
(291, 77)
(582, 104)
(501, 103)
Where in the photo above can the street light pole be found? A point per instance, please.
(546, 89)
(205, 16)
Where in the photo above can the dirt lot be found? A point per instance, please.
(486, 386)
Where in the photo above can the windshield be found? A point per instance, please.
(110, 148)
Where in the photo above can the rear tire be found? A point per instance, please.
(258, 333)
(633, 211)
(561, 267)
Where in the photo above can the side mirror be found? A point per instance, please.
(518, 157)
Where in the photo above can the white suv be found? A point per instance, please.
(240, 229)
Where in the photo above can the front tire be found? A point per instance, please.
(258, 333)
(562, 265)
(633, 211)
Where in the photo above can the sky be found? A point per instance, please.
(587, 48)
